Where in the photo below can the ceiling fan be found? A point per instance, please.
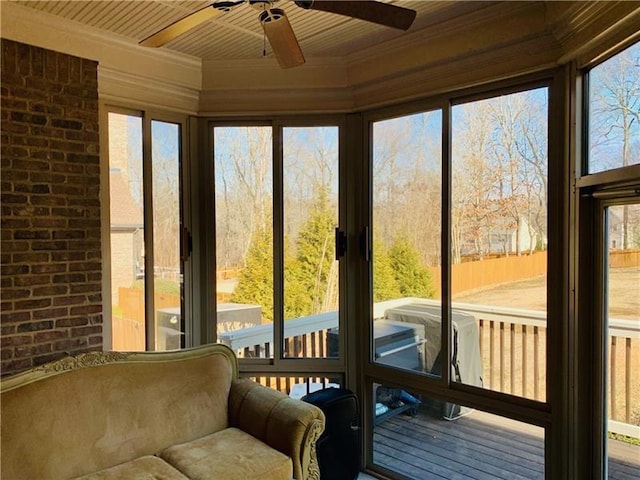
(277, 28)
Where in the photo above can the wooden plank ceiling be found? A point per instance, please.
(237, 35)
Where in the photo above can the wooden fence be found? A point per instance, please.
(493, 271)
(127, 323)
(624, 258)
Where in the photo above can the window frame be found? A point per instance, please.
(278, 364)
(547, 414)
(147, 116)
(593, 193)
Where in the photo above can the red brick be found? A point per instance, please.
(15, 270)
(28, 280)
(31, 350)
(30, 257)
(85, 331)
(50, 313)
(50, 335)
(31, 304)
(71, 343)
(12, 340)
(7, 330)
(13, 293)
(85, 310)
(11, 366)
(70, 300)
(50, 290)
(83, 287)
(13, 317)
(70, 278)
(49, 268)
(72, 322)
(51, 249)
(35, 326)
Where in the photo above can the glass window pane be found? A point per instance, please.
(243, 169)
(310, 218)
(407, 191)
(623, 325)
(614, 112)
(167, 275)
(411, 438)
(499, 243)
(127, 233)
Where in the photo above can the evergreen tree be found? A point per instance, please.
(308, 275)
(385, 285)
(255, 284)
(413, 279)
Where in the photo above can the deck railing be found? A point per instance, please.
(512, 345)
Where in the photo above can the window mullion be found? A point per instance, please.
(445, 262)
(278, 245)
(147, 181)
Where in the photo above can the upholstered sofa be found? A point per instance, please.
(163, 416)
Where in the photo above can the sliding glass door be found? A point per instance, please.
(621, 349)
(459, 240)
(277, 248)
(148, 245)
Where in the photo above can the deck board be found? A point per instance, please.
(478, 446)
(475, 455)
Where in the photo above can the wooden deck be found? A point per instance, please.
(478, 446)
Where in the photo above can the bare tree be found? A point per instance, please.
(243, 186)
(614, 99)
(473, 182)
(165, 164)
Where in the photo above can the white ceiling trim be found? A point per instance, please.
(265, 74)
(225, 102)
(130, 90)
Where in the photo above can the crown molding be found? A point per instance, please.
(461, 19)
(266, 74)
(527, 56)
(40, 29)
(589, 30)
(456, 49)
(249, 101)
(123, 88)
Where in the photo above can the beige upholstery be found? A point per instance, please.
(110, 414)
(229, 454)
(143, 468)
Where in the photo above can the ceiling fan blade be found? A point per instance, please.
(281, 37)
(181, 26)
(371, 11)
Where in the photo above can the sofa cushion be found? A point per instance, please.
(229, 454)
(143, 468)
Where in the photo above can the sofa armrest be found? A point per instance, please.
(290, 426)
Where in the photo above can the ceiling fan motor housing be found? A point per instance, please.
(272, 15)
(227, 5)
(262, 5)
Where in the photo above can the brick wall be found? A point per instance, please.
(51, 253)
